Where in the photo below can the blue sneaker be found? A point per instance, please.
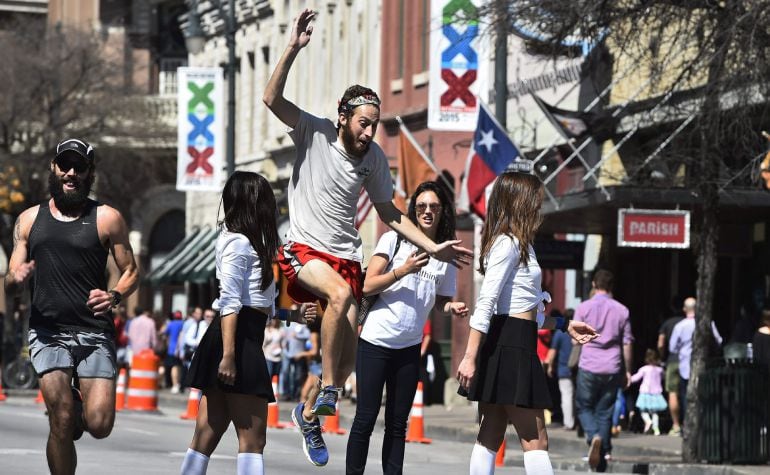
(326, 402)
(312, 442)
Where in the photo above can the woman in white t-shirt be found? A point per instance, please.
(410, 285)
(500, 368)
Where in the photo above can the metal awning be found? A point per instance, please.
(592, 212)
(200, 268)
(194, 247)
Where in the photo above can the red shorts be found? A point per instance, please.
(291, 258)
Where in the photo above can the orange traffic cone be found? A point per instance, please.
(416, 430)
(3, 397)
(500, 457)
(39, 399)
(332, 423)
(143, 383)
(193, 401)
(273, 415)
(120, 391)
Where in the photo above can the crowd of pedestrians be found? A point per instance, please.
(518, 360)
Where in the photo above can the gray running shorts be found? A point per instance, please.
(89, 354)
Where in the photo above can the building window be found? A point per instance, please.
(167, 75)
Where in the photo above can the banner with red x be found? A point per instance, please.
(459, 65)
(200, 149)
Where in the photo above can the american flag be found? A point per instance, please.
(364, 206)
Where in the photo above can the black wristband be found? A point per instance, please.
(117, 297)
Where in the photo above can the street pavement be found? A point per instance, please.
(144, 443)
(155, 443)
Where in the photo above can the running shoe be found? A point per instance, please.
(312, 443)
(326, 402)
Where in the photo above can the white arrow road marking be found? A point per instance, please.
(140, 431)
(20, 452)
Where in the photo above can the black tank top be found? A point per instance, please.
(70, 261)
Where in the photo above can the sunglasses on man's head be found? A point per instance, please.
(66, 164)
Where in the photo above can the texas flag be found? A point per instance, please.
(491, 153)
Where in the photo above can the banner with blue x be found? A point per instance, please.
(200, 136)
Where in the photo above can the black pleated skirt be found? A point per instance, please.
(251, 375)
(508, 370)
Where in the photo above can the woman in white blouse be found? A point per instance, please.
(500, 368)
(229, 365)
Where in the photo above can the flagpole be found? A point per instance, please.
(419, 149)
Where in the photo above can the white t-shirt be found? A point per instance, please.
(325, 185)
(398, 316)
(509, 286)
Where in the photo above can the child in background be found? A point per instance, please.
(650, 400)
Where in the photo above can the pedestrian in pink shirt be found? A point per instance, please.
(650, 401)
(142, 333)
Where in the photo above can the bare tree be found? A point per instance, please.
(705, 58)
(58, 82)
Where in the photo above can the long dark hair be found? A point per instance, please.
(513, 210)
(446, 225)
(249, 206)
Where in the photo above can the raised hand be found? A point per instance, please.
(302, 28)
(450, 251)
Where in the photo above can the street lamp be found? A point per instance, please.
(195, 38)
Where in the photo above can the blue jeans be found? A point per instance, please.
(273, 368)
(620, 408)
(293, 374)
(595, 401)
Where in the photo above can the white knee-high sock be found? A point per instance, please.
(482, 461)
(655, 420)
(537, 462)
(194, 463)
(250, 464)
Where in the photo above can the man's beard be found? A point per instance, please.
(72, 203)
(350, 142)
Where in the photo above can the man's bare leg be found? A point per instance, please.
(347, 361)
(60, 450)
(98, 405)
(673, 408)
(337, 335)
(312, 394)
